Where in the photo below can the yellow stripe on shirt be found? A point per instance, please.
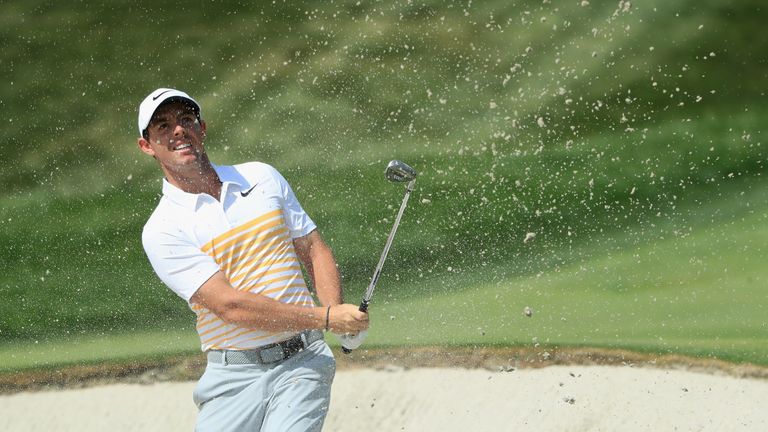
(274, 246)
(232, 248)
(246, 226)
(248, 273)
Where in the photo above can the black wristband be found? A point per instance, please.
(327, 318)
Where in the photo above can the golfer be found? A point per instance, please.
(230, 240)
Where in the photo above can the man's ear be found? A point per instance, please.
(202, 126)
(145, 147)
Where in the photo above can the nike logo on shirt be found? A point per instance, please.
(245, 194)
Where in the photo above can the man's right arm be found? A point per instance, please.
(247, 309)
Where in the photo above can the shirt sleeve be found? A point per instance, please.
(182, 266)
(298, 221)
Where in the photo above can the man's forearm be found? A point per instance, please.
(321, 268)
(326, 277)
(253, 310)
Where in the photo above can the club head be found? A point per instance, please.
(399, 171)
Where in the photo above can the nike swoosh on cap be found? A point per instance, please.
(161, 93)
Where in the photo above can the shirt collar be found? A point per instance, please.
(175, 194)
(192, 200)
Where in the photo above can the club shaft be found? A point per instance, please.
(375, 279)
(372, 286)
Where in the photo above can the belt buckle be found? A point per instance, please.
(293, 345)
(283, 350)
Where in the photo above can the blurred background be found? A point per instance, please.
(601, 163)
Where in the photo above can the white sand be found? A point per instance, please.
(556, 398)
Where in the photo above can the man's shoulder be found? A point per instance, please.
(251, 173)
(163, 216)
(254, 168)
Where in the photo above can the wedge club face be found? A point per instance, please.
(399, 171)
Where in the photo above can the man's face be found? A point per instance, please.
(175, 136)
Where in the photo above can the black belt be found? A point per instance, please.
(267, 354)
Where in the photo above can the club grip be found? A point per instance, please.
(363, 308)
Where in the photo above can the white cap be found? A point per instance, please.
(150, 104)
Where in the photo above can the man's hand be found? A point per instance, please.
(347, 318)
(355, 325)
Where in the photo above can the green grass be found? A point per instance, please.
(705, 297)
(93, 349)
(642, 187)
(700, 293)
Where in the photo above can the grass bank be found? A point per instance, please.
(627, 139)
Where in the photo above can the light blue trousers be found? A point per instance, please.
(292, 395)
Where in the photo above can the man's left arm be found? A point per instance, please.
(320, 264)
(318, 259)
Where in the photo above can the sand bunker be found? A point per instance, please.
(555, 398)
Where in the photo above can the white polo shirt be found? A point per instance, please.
(248, 235)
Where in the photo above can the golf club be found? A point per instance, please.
(397, 172)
